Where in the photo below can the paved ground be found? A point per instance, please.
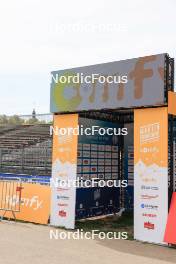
(30, 244)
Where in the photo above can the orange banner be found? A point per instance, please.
(172, 103)
(35, 203)
(65, 144)
(150, 173)
(64, 166)
(151, 136)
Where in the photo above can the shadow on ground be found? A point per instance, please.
(130, 246)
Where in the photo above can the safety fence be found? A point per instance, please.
(10, 197)
(32, 160)
(42, 180)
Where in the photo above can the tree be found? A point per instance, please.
(3, 119)
(15, 120)
(32, 121)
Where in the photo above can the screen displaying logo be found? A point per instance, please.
(100, 86)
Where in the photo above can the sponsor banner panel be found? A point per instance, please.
(171, 103)
(35, 203)
(133, 85)
(64, 164)
(150, 174)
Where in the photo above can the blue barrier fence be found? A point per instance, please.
(26, 178)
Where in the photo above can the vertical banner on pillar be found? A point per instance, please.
(64, 164)
(150, 174)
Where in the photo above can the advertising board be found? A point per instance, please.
(120, 84)
(150, 174)
(64, 166)
(35, 203)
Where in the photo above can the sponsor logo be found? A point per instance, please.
(34, 202)
(153, 188)
(149, 215)
(62, 189)
(59, 197)
(150, 133)
(149, 180)
(149, 225)
(149, 206)
(62, 213)
(62, 204)
(149, 150)
(148, 197)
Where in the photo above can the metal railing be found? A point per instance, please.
(34, 160)
(10, 197)
(24, 178)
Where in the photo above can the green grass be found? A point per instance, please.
(110, 223)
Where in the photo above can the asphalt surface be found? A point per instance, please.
(31, 244)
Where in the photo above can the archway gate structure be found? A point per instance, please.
(143, 97)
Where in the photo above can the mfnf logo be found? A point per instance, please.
(32, 202)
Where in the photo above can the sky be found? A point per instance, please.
(37, 37)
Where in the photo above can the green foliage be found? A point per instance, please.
(12, 120)
(3, 119)
(16, 120)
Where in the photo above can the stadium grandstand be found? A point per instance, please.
(25, 144)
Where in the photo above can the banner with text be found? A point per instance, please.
(64, 166)
(126, 83)
(35, 203)
(150, 174)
